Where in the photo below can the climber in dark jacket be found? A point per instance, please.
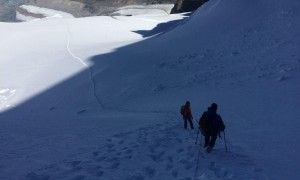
(211, 125)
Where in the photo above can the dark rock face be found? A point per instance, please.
(7, 9)
(187, 5)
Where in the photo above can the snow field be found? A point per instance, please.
(163, 151)
(242, 55)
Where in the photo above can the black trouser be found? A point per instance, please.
(210, 139)
(190, 121)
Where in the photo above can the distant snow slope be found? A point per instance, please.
(88, 99)
(143, 10)
(31, 11)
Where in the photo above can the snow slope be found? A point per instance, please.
(156, 9)
(94, 98)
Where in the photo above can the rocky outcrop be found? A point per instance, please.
(187, 5)
(78, 8)
(107, 7)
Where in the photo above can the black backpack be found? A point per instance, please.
(182, 109)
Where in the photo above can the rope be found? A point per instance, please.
(198, 158)
(201, 141)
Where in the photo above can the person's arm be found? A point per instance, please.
(222, 126)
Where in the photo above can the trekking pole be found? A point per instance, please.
(202, 137)
(225, 141)
(197, 136)
(197, 166)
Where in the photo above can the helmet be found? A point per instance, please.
(214, 106)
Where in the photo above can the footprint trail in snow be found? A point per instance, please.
(163, 151)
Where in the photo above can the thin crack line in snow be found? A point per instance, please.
(82, 62)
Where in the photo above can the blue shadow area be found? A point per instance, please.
(162, 27)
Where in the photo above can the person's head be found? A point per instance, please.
(214, 107)
(188, 103)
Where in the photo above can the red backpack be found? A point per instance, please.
(203, 125)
